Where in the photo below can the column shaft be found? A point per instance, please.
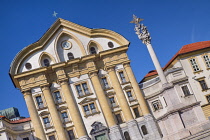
(54, 114)
(120, 95)
(74, 111)
(136, 89)
(157, 64)
(37, 125)
(103, 100)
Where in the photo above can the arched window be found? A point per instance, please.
(93, 50)
(144, 129)
(70, 56)
(46, 62)
(127, 136)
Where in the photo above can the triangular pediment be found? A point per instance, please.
(87, 100)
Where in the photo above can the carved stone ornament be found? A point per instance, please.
(141, 30)
(97, 127)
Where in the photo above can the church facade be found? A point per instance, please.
(78, 84)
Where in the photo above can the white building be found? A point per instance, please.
(179, 106)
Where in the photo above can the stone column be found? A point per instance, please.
(62, 135)
(74, 111)
(114, 129)
(136, 89)
(156, 64)
(37, 125)
(131, 123)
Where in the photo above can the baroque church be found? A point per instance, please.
(77, 83)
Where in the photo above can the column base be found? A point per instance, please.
(134, 131)
(84, 138)
(115, 133)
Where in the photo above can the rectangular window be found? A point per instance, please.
(52, 137)
(156, 105)
(105, 83)
(71, 134)
(46, 122)
(58, 97)
(26, 138)
(79, 90)
(203, 84)
(185, 90)
(208, 98)
(136, 112)
(122, 77)
(89, 109)
(130, 96)
(119, 119)
(207, 60)
(39, 101)
(82, 89)
(194, 64)
(85, 88)
(65, 116)
(112, 101)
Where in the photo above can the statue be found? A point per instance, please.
(141, 30)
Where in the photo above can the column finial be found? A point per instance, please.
(141, 30)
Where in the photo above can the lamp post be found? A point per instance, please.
(144, 36)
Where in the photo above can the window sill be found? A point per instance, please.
(124, 83)
(67, 122)
(116, 106)
(63, 102)
(98, 112)
(108, 88)
(198, 71)
(204, 90)
(85, 95)
(49, 127)
(42, 108)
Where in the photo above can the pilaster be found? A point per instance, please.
(120, 95)
(39, 131)
(136, 89)
(54, 113)
(105, 106)
(74, 111)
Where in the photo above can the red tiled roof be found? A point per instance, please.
(21, 120)
(185, 49)
(2, 116)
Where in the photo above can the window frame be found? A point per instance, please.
(208, 98)
(107, 84)
(188, 90)
(43, 101)
(46, 124)
(70, 57)
(65, 119)
(70, 138)
(119, 113)
(158, 102)
(122, 79)
(84, 94)
(195, 67)
(91, 113)
(207, 62)
(115, 102)
(61, 98)
(203, 85)
(95, 50)
(136, 107)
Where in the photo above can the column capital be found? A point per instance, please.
(126, 64)
(63, 81)
(26, 92)
(93, 73)
(44, 87)
(110, 69)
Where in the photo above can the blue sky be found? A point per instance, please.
(171, 23)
